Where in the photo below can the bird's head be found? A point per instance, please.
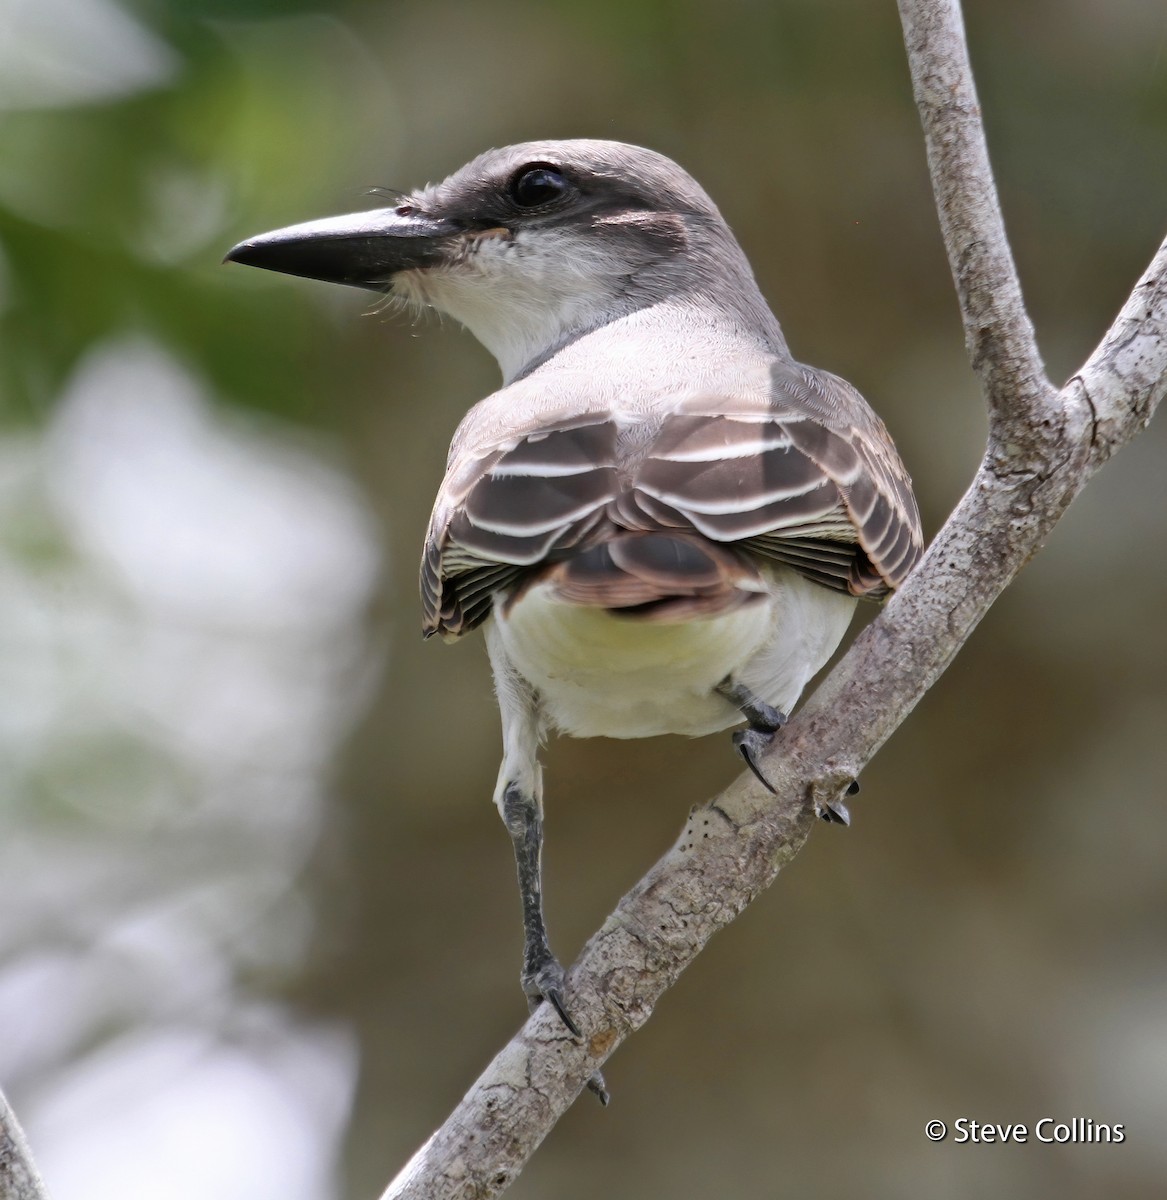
(529, 245)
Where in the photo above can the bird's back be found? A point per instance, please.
(746, 451)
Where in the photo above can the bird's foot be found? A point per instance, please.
(765, 720)
(544, 980)
(836, 811)
(750, 744)
(599, 1089)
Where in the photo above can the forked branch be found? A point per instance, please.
(1044, 445)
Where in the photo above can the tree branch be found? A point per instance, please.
(998, 333)
(18, 1175)
(1044, 445)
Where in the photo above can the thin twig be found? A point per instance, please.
(998, 333)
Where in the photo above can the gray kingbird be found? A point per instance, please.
(661, 520)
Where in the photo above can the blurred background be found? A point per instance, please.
(259, 928)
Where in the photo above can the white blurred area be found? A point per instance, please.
(181, 650)
(58, 52)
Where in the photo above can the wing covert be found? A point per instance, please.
(509, 509)
(807, 477)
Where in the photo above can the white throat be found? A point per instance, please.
(524, 295)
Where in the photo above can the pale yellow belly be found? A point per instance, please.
(601, 674)
(598, 674)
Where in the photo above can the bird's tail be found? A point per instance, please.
(657, 576)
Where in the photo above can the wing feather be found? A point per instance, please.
(806, 476)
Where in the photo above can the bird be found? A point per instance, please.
(661, 520)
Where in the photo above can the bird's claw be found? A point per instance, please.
(835, 812)
(750, 744)
(599, 1089)
(545, 982)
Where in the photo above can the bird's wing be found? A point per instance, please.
(507, 508)
(805, 475)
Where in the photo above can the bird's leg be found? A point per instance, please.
(542, 975)
(764, 721)
(519, 797)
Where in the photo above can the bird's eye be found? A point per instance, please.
(536, 185)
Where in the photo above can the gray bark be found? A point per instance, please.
(18, 1176)
(1044, 445)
